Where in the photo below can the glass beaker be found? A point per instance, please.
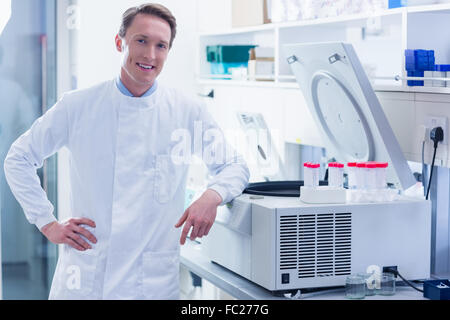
(355, 287)
(387, 284)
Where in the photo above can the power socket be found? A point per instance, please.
(386, 269)
(435, 121)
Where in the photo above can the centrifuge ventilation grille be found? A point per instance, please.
(317, 245)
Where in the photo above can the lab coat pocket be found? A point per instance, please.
(77, 273)
(160, 275)
(168, 178)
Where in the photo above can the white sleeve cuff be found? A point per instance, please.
(221, 191)
(45, 220)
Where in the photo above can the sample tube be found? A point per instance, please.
(371, 175)
(351, 175)
(361, 176)
(381, 175)
(332, 174)
(307, 175)
(335, 175)
(315, 173)
(340, 177)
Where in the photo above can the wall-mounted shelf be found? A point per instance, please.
(399, 29)
(293, 85)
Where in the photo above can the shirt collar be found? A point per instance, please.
(127, 92)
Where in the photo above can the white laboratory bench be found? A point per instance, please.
(194, 259)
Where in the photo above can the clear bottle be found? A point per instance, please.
(381, 175)
(315, 173)
(335, 175)
(371, 175)
(351, 175)
(361, 176)
(307, 175)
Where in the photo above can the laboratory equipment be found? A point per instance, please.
(265, 160)
(351, 175)
(387, 284)
(371, 175)
(308, 174)
(438, 289)
(336, 175)
(283, 243)
(355, 287)
(224, 57)
(361, 176)
(369, 282)
(381, 175)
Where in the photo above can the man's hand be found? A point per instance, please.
(69, 233)
(200, 216)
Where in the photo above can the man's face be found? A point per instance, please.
(145, 49)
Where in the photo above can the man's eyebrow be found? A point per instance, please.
(146, 37)
(141, 36)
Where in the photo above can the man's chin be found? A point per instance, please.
(146, 81)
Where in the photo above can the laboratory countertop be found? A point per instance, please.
(194, 259)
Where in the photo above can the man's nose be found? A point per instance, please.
(150, 53)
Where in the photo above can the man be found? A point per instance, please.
(125, 184)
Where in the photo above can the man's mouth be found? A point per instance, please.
(146, 67)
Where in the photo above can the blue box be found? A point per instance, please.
(419, 60)
(436, 289)
(410, 59)
(415, 83)
(395, 4)
(443, 67)
(421, 53)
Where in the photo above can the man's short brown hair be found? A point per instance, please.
(153, 9)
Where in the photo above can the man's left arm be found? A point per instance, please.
(230, 176)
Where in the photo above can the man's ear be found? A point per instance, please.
(119, 43)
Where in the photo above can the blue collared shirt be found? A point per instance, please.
(127, 92)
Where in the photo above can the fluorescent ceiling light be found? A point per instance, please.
(5, 13)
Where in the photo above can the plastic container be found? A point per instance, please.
(335, 175)
(428, 74)
(381, 175)
(228, 54)
(226, 67)
(437, 289)
(223, 58)
(307, 175)
(371, 175)
(351, 175)
(440, 72)
(361, 176)
(315, 167)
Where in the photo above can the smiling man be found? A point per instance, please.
(127, 192)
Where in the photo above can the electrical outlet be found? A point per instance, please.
(435, 121)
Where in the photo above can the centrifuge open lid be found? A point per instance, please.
(345, 108)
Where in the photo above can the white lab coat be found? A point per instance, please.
(123, 178)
